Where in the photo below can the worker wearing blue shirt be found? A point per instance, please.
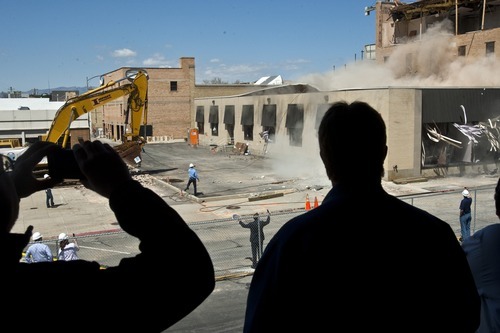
(193, 178)
(38, 251)
(465, 215)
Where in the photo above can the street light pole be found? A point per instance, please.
(90, 78)
(89, 116)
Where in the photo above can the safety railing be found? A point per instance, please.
(229, 244)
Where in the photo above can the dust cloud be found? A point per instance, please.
(298, 163)
(429, 61)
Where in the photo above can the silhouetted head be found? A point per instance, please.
(353, 143)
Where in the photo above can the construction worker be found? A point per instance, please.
(49, 198)
(256, 235)
(38, 251)
(193, 178)
(67, 250)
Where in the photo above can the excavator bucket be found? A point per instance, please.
(130, 152)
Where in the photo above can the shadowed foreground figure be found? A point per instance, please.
(483, 252)
(363, 261)
(141, 294)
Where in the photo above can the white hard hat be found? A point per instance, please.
(62, 236)
(46, 176)
(191, 165)
(36, 236)
(465, 193)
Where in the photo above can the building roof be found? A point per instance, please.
(284, 89)
(269, 80)
(10, 104)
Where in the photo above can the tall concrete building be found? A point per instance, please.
(473, 28)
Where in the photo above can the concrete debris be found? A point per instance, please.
(144, 179)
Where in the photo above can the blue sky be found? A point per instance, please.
(50, 44)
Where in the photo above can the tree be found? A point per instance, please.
(215, 80)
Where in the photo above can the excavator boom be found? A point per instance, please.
(75, 107)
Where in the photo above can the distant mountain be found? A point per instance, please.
(48, 91)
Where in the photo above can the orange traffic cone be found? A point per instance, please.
(316, 202)
(308, 203)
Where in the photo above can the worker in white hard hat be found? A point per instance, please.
(465, 215)
(67, 250)
(38, 251)
(49, 198)
(193, 178)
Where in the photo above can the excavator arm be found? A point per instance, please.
(136, 89)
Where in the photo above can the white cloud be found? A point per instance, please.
(124, 53)
(157, 60)
(297, 61)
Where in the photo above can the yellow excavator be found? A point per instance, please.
(137, 90)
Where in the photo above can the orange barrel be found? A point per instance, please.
(193, 136)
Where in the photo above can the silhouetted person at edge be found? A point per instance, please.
(483, 252)
(364, 260)
(140, 294)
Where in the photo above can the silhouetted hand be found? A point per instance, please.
(102, 166)
(9, 203)
(21, 182)
(24, 179)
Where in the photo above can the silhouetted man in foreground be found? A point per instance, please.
(364, 260)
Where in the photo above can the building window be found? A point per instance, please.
(269, 120)
(200, 119)
(229, 122)
(490, 48)
(295, 124)
(461, 51)
(213, 119)
(173, 85)
(247, 115)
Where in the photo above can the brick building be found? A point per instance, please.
(171, 94)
